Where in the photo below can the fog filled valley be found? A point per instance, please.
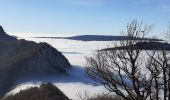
(85, 50)
(85, 67)
(75, 82)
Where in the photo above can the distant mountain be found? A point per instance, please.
(4, 36)
(19, 58)
(98, 38)
(144, 46)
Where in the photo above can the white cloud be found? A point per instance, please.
(165, 8)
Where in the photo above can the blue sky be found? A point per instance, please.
(82, 16)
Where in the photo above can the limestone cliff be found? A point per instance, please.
(23, 58)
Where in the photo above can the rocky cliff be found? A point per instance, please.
(4, 36)
(23, 58)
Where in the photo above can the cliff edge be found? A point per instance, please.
(20, 58)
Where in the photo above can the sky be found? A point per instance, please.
(106, 17)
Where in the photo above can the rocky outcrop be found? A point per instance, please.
(23, 58)
(4, 36)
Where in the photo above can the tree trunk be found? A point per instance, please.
(157, 88)
(169, 83)
(165, 83)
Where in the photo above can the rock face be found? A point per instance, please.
(4, 36)
(23, 58)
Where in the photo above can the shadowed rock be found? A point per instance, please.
(4, 36)
(2, 30)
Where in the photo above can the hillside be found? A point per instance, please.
(46, 91)
(19, 58)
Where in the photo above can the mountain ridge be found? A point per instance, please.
(4, 36)
(19, 58)
(98, 38)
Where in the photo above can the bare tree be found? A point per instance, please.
(166, 72)
(161, 71)
(122, 70)
(167, 34)
(155, 72)
(168, 61)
